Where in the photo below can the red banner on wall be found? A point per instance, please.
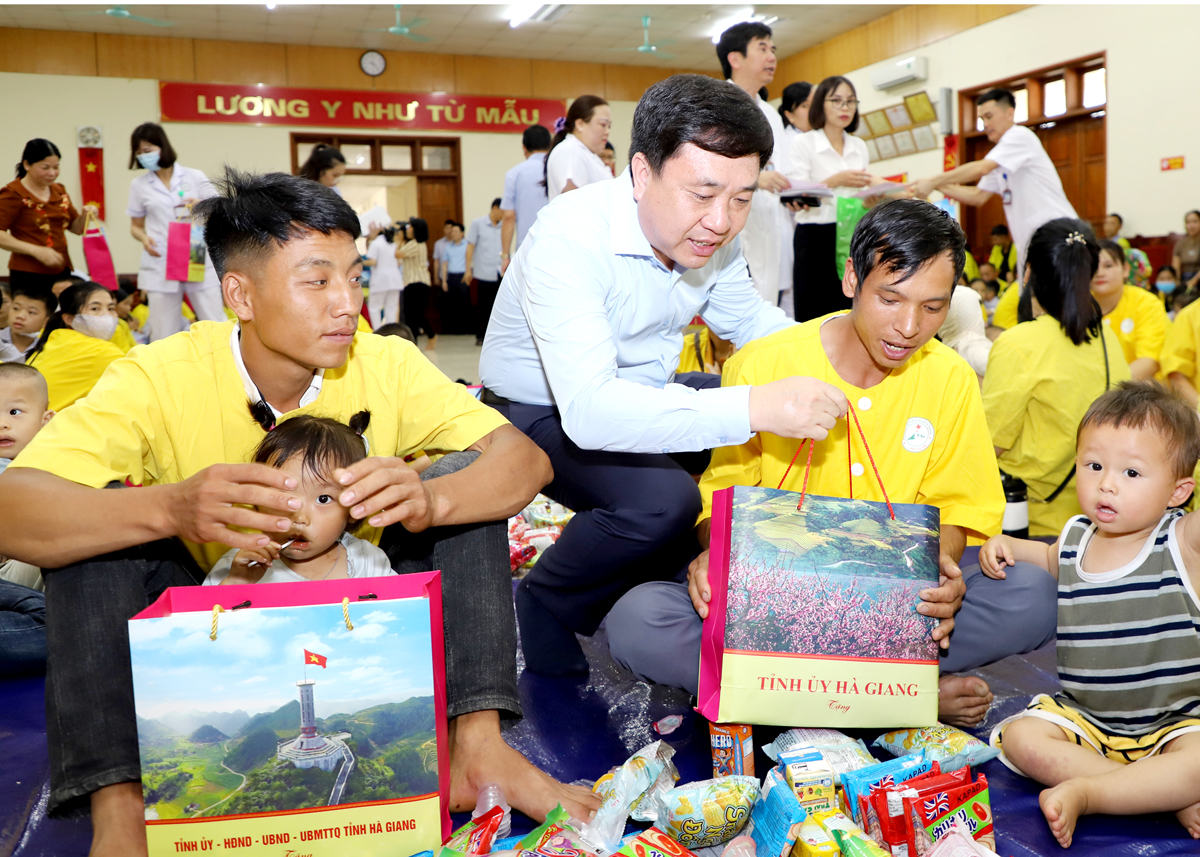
(91, 177)
(349, 108)
(949, 152)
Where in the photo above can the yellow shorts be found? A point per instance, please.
(1119, 748)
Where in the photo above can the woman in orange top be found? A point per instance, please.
(35, 213)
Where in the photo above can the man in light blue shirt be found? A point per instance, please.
(456, 305)
(483, 265)
(524, 191)
(585, 336)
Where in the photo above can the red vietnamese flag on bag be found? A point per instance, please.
(312, 658)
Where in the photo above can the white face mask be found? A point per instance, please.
(99, 326)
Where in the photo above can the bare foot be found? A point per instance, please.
(118, 821)
(479, 755)
(963, 700)
(1062, 806)
(1189, 817)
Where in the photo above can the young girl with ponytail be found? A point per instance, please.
(74, 348)
(1042, 375)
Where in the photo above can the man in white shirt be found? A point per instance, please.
(483, 264)
(747, 57)
(1017, 168)
(524, 191)
(585, 337)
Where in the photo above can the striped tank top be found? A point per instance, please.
(1128, 639)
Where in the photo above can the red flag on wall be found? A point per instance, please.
(950, 152)
(313, 658)
(91, 176)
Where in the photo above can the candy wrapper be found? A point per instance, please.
(776, 817)
(544, 512)
(813, 841)
(957, 842)
(620, 789)
(519, 554)
(952, 747)
(474, 837)
(559, 836)
(645, 807)
(857, 784)
(652, 843)
(732, 750)
(847, 835)
(929, 816)
(707, 813)
(842, 752)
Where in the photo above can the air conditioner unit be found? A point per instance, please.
(904, 71)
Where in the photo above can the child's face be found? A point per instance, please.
(321, 519)
(28, 315)
(1110, 276)
(22, 415)
(1125, 479)
(125, 307)
(987, 271)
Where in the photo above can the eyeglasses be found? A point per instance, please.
(842, 102)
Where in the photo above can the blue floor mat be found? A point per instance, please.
(576, 730)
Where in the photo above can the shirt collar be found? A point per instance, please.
(252, 391)
(823, 144)
(625, 230)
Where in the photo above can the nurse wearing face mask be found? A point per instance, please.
(165, 193)
(73, 350)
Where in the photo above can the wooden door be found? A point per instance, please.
(437, 201)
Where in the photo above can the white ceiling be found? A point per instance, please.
(583, 33)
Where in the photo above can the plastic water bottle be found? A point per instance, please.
(740, 846)
(1016, 508)
(490, 795)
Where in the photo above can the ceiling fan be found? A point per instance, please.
(399, 29)
(648, 47)
(123, 14)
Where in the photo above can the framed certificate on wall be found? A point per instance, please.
(904, 142)
(887, 148)
(872, 150)
(924, 137)
(878, 123)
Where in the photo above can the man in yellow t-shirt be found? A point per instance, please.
(919, 407)
(175, 419)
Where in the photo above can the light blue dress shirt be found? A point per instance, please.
(589, 320)
(485, 237)
(524, 192)
(455, 256)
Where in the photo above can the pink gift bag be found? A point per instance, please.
(304, 718)
(99, 258)
(179, 249)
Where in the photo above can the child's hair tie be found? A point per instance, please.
(560, 124)
(1076, 238)
(263, 415)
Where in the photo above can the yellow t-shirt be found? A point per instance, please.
(142, 313)
(689, 361)
(364, 326)
(1140, 324)
(123, 337)
(924, 424)
(1180, 347)
(1037, 388)
(1005, 315)
(178, 405)
(72, 363)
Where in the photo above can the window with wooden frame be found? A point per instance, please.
(1054, 93)
(385, 155)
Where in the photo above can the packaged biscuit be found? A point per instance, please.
(776, 817)
(813, 841)
(707, 813)
(732, 750)
(931, 815)
(952, 747)
(886, 802)
(842, 752)
(857, 784)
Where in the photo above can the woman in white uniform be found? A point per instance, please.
(383, 301)
(574, 159)
(165, 193)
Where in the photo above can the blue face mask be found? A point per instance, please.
(148, 160)
(1165, 286)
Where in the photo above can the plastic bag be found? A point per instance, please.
(709, 812)
(842, 752)
(619, 790)
(850, 210)
(952, 747)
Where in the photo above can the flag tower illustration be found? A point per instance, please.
(310, 749)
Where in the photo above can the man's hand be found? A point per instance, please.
(698, 587)
(797, 407)
(385, 491)
(943, 602)
(773, 180)
(467, 277)
(921, 188)
(996, 553)
(504, 260)
(205, 507)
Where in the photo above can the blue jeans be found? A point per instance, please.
(22, 629)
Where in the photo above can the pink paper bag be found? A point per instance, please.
(179, 250)
(99, 258)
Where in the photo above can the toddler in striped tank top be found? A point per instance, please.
(1123, 735)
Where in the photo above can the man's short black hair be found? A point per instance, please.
(903, 235)
(1000, 95)
(738, 38)
(708, 113)
(1000, 229)
(450, 221)
(254, 213)
(1120, 219)
(536, 138)
(496, 202)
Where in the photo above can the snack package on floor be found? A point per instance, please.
(559, 836)
(952, 747)
(776, 817)
(652, 843)
(810, 778)
(706, 813)
(544, 512)
(928, 817)
(858, 783)
(842, 752)
(519, 554)
(854, 845)
(644, 808)
(732, 749)
(476, 836)
(619, 790)
(887, 803)
(957, 842)
(813, 841)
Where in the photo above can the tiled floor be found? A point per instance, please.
(457, 356)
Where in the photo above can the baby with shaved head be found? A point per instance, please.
(24, 408)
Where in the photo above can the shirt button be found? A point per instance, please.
(723, 439)
(864, 404)
(857, 469)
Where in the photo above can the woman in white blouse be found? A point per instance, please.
(827, 154)
(163, 194)
(574, 159)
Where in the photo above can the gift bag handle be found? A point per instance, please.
(87, 217)
(850, 473)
